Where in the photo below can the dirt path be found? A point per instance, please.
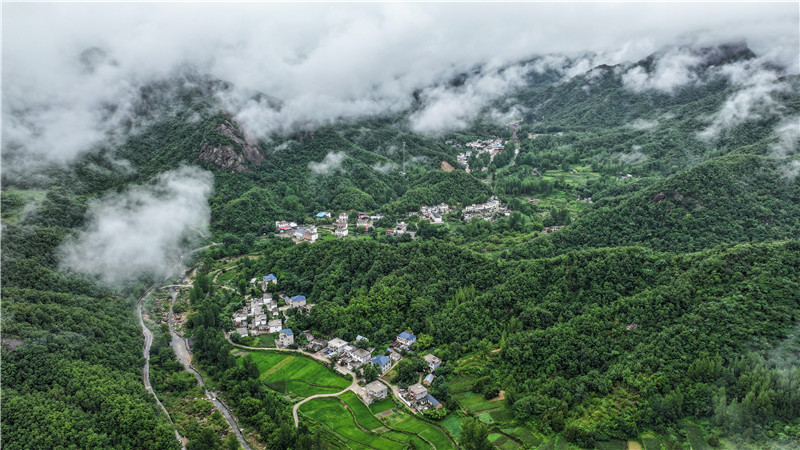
(297, 405)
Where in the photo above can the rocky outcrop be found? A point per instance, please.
(231, 157)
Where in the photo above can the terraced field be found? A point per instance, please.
(296, 375)
(331, 413)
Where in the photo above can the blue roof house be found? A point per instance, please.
(298, 300)
(383, 362)
(406, 339)
(271, 278)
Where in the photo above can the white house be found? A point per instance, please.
(336, 344)
(286, 338)
(361, 356)
(275, 325)
(417, 391)
(433, 362)
(406, 339)
(375, 391)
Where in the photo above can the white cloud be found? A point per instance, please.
(673, 69)
(330, 164)
(644, 125)
(327, 62)
(788, 134)
(753, 100)
(143, 230)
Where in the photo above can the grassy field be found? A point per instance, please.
(297, 375)
(331, 413)
(360, 410)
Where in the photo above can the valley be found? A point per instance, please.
(303, 235)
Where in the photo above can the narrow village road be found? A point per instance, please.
(341, 370)
(297, 405)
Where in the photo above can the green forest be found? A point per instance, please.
(645, 282)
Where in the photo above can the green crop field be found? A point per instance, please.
(381, 406)
(475, 402)
(297, 375)
(461, 384)
(452, 424)
(406, 422)
(362, 413)
(331, 413)
(525, 435)
(419, 442)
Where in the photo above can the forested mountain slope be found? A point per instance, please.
(735, 198)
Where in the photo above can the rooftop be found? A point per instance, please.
(381, 360)
(375, 386)
(406, 335)
(287, 332)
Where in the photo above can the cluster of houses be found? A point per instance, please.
(262, 315)
(485, 210)
(341, 226)
(491, 146)
(400, 228)
(417, 395)
(305, 233)
(433, 213)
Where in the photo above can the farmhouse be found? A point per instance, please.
(275, 325)
(242, 331)
(433, 402)
(317, 345)
(298, 300)
(286, 338)
(394, 356)
(340, 231)
(361, 356)
(271, 278)
(383, 363)
(417, 391)
(406, 339)
(428, 379)
(375, 391)
(433, 362)
(336, 344)
(308, 234)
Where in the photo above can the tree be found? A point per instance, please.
(206, 440)
(370, 373)
(474, 435)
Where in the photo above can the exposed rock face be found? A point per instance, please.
(228, 157)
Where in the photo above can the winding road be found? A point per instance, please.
(352, 387)
(184, 355)
(182, 352)
(148, 341)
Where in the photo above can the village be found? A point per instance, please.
(435, 214)
(264, 316)
(491, 146)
